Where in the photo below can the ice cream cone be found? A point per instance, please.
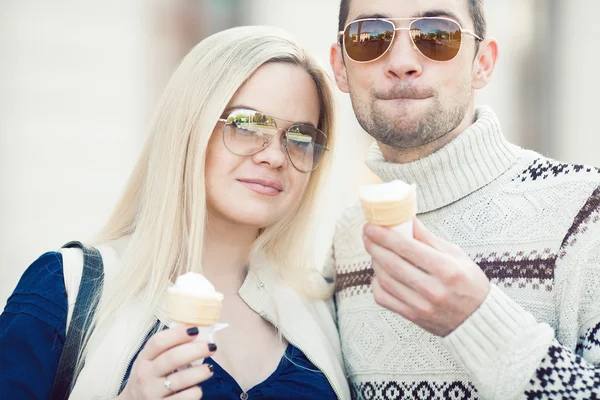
(193, 301)
(389, 204)
(392, 204)
(193, 310)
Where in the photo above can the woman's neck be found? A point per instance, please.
(226, 249)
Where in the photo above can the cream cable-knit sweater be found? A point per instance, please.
(533, 226)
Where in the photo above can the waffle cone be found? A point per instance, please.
(390, 213)
(193, 310)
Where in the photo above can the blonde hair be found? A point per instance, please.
(163, 207)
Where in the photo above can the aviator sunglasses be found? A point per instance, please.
(436, 38)
(247, 132)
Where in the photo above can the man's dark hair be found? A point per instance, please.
(475, 10)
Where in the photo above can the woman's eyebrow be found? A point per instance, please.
(243, 107)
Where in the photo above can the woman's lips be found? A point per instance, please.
(262, 187)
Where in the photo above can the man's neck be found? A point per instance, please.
(407, 155)
(226, 249)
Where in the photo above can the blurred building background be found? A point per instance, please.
(79, 81)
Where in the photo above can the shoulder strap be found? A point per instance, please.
(92, 281)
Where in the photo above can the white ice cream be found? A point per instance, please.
(195, 284)
(388, 191)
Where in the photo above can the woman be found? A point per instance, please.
(225, 184)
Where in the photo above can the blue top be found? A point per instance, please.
(32, 334)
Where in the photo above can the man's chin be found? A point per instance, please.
(407, 142)
(403, 111)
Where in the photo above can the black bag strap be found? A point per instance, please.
(92, 281)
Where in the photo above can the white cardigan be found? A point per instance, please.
(307, 324)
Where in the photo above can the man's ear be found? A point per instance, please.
(339, 68)
(485, 62)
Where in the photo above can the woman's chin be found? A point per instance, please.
(257, 219)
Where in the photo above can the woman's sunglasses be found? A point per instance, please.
(436, 38)
(246, 132)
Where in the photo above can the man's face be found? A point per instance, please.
(403, 99)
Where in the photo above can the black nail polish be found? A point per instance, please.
(210, 367)
(192, 331)
(212, 347)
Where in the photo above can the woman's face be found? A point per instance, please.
(258, 190)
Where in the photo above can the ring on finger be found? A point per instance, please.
(167, 384)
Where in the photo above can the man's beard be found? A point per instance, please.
(405, 131)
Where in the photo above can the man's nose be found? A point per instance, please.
(403, 60)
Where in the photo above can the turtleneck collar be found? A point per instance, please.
(475, 158)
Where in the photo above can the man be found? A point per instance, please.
(498, 294)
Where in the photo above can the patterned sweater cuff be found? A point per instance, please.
(500, 345)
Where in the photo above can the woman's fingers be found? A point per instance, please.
(167, 339)
(185, 379)
(193, 393)
(167, 351)
(182, 355)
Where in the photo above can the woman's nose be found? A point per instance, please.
(274, 153)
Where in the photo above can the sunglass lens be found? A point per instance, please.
(247, 131)
(367, 40)
(306, 146)
(436, 39)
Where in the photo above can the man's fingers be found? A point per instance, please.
(417, 253)
(386, 300)
(424, 235)
(396, 267)
(165, 340)
(402, 292)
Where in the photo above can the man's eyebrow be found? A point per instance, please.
(429, 13)
(365, 16)
(440, 13)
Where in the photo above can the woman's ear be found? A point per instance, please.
(336, 58)
(485, 62)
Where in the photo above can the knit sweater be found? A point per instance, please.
(533, 226)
